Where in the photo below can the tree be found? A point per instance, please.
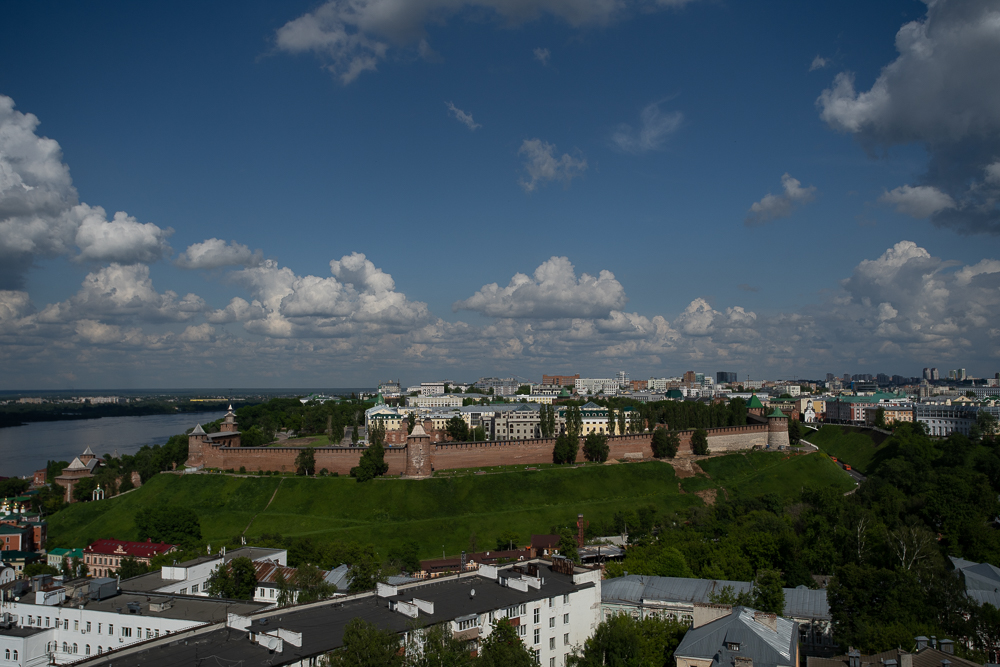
(595, 448)
(477, 434)
(377, 433)
(405, 556)
(437, 647)
(523, 390)
(83, 489)
(503, 648)
(621, 422)
(366, 571)
(565, 448)
(130, 567)
(354, 435)
(310, 584)
(699, 442)
(254, 437)
(285, 593)
(305, 462)
(35, 569)
(367, 645)
(170, 525)
(235, 580)
(508, 539)
(768, 592)
(665, 443)
(457, 429)
(411, 422)
(794, 432)
(372, 463)
(880, 418)
(568, 546)
(623, 640)
(611, 420)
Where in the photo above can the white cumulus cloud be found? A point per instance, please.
(654, 129)
(819, 62)
(41, 216)
(542, 55)
(942, 91)
(215, 253)
(921, 201)
(553, 291)
(780, 206)
(542, 166)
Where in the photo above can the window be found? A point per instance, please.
(15, 654)
(552, 662)
(184, 591)
(733, 646)
(537, 615)
(194, 589)
(156, 632)
(522, 630)
(87, 650)
(100, 650)
(552, 643)
(538, 636)
(74, 648)
(552, 622)
(65, 647)
(47, 621)
(566, 599)
(565, 619)
(524, 610)
(65, 623)
(538, 655)
(29, 620)
(111, 629)
(126, 632)
(76, 626)
(552, 602)
(6, 654)
(149, 633)
(88, 626)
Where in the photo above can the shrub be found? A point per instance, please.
(565, 449)
(665, 443)
(243, 470)
(699, 442)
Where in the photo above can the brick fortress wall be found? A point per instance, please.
(439, 455)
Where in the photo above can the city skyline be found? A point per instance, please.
(324, 194)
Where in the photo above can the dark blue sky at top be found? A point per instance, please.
(187, 115)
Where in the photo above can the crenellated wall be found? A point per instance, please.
(422, 456)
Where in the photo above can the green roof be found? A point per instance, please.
(777, 413)
(67, 553)
(12, 530)
(754, 402)
(564, 392)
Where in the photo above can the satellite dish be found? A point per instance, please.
(472, 593)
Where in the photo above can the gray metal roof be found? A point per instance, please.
(767, 648)
(633, 589)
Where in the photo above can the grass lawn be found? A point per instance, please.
(849, 444)
(386, 512)
(440, 512)
(757, 473)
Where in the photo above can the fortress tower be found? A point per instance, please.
(418, 453)
(777, 429)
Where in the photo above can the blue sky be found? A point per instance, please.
(780, 189)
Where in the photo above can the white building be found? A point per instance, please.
(555, 606)
(63, 623)
(441, 400)
(431, 388)
(596, 385)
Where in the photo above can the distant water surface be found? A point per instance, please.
(25, 449)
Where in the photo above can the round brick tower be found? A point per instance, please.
(777, 429)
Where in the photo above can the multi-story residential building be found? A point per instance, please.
(104, 556)
(431, 388)
(596, 385)
(846, 409)
(553, 605)
(560, 380)
(524, 421)
(500, 386)
(943, 420)
(438, 400)
(62, 622)
(891, 415)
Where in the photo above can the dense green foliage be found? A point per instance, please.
(679, 415)
(169, 525)
(565, 449)
(457, 429)
(439, 648)
(665, 443)
(130, 567)
(305, 461)
(699, 442)
(372, 463)
(312, 418)
(595, 448)
(626, 641)
(850, 444)
(504, 648)
(885, 544)
(236, 580)
(9, 488)
(367, 645)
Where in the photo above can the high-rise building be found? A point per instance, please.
(935, 375)
(690, 378)
(952, 375)
(847, 377)
(961, 374)
(927, 374)
(623, 379)
(724, 377)
(830, 377)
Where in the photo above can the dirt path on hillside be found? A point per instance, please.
(273, 496)
(686, 467)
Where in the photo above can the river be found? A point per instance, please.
(25, 449)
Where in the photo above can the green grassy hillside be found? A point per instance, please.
(849, 444)
(433, 512)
